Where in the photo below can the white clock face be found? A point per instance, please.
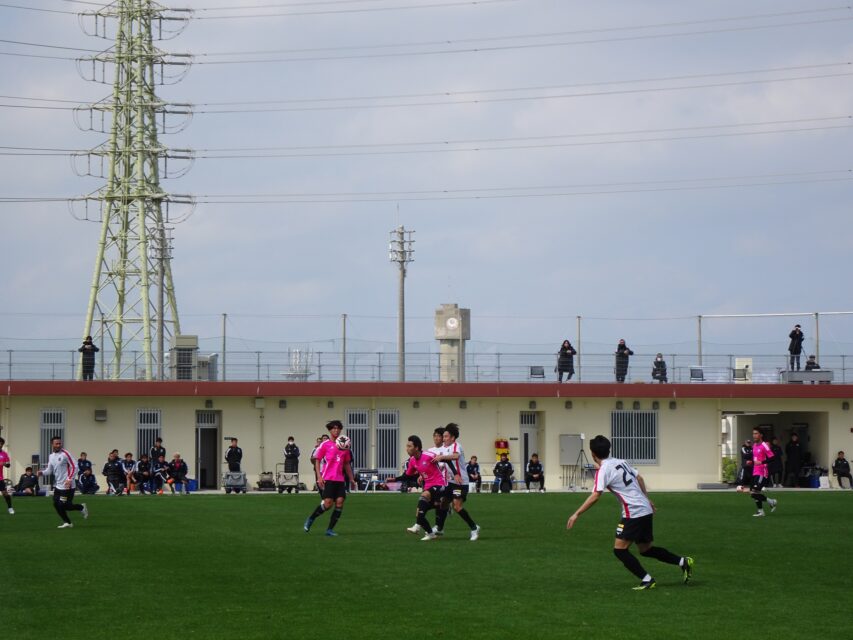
(452, 323)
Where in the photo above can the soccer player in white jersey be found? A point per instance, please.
(457, 486)
(627, 485)
(61, 465)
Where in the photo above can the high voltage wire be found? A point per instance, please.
(392, 148)
(538, 191)
(431, 103)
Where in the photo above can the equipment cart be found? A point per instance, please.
(286, 479)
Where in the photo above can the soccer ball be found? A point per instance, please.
(343, 442)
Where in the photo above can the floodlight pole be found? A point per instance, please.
(400, 251)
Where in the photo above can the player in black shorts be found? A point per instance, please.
(457, 488)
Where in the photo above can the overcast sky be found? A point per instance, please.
(628, 162)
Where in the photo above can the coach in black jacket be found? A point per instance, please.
(503, 474)
(114, 472)
(233, 456)
(535, 473)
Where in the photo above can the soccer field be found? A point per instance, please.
(241, 567)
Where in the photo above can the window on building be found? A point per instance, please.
(357, 427)
(52, 426)
(388, 441)
(147, 430)
(634, 436)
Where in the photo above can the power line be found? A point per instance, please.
(447, 146)
(435, 5)
(23, 8)
(483, 193)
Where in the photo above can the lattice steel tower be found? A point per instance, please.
(134, 249)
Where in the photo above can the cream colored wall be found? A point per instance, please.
(689, 436)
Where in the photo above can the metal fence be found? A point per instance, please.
(428, 367)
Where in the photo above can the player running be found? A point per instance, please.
(761, 453)
(5, 463)
(637, 511)
(457, 487)
(333, 461)
(437, 449)
(61, 465)
(424, 463)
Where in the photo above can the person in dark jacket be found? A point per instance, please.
(160, 474)
(473, 469)
(28, 484)
(156, 451)
(841, 469)
(622, 355)
(794, 456)
(744, 476)
(114, 472)
(88, 349)
(659, 369)
(233, 456)
(178, 474)
(83, 463)
(128, 464)
(811, 364)
(535, 472)
(775, 467)
(87, 483)
(291, 456)
(503, 474)
(566, 361)
(142, 474)
(795, 346)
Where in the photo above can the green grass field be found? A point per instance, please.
(241, 567)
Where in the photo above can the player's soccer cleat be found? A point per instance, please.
(646, 584)
(85, 511)
(773, 504)
(475, 533)
(687, 569)
(437, 531)
(11, 511)
(307, 525)
(415, 528)
(759, 514)
(428, 536)
(65, 525)
(159, 492)
(331, 533)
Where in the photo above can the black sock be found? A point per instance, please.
(631, 563)
(659, 553)
(423, 507)
(440, 518)
(759, 499)
(318, 511)
(336, 514)
(8, 500)
(467, 518)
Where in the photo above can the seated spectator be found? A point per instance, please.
(841, 469)
(178, 474)
(811, 364)
(128, 464)
(87, 483)
(83, 463)
(160, 474)
(114, 472)
(503, 474)
(28, 484)
(473, 469)
(535, 472)
(659, 369)
(142, 475)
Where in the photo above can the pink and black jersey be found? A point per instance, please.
(332, 461)
(761, 453)
(620, 479)
(424, 465)
(4, 459)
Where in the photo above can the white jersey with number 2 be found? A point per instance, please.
(620, 478)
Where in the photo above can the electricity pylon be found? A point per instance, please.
(134, 247)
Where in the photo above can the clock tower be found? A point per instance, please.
(452, 329)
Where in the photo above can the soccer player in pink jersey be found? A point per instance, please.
(424, 463)
(333, 465)
(627, 485)
(5, 463)
(441, 507)
(761, 454)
